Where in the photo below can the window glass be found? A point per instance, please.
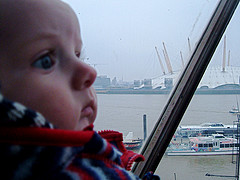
(122, 40)
(139, 49)
(214, 107)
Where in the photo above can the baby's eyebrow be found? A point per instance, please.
(38, 38)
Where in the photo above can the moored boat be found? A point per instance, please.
(234, 111)
(130, 143)
(217, 144)
(133, 144)
(206, 129)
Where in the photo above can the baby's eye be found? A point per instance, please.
(44, 62)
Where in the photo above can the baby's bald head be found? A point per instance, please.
(40, 66)
(18, 15)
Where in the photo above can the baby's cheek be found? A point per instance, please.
(61, 114)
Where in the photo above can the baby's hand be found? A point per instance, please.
(150, 176)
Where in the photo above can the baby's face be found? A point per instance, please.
(40, 65)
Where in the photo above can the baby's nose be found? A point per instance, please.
(84, 76)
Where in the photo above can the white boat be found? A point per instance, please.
(130, 143)
(217, 144)
(206, 129)
(234, 111)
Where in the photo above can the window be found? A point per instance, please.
(139, 49)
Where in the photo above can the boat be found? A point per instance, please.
(130, 143)
(206, 129)
(234, 111)
(133, 144)
(217, 144)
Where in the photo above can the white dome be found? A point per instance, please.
(213, 77)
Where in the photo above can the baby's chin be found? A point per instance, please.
(84, 123)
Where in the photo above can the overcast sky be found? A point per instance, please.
(120, 35)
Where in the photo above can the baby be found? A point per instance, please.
(47, 103)
(40, 62)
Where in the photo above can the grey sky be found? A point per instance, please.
(120, 35)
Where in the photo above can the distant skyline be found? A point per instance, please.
(120, 35)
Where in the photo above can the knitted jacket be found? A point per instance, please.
(31, 148)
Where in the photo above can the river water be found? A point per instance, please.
(124, 113)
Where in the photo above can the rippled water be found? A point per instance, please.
(124, 113)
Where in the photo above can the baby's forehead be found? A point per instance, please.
(17, 15)
(30, 21)
(17, 7)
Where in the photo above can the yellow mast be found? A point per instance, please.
(224, 55)
(167, 59)
(160, 61)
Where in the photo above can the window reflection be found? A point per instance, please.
(129, 42)
(214, 112)
(120, 41)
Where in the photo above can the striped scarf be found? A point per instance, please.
(31, 148)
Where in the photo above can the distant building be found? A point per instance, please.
(114, 81)
(136, 83)
(168, 82)
(147, 83)
(102, 82)
(214, 77)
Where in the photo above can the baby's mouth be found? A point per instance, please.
(86, 118)
(87, 112)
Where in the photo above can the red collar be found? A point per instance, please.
(44, 136)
